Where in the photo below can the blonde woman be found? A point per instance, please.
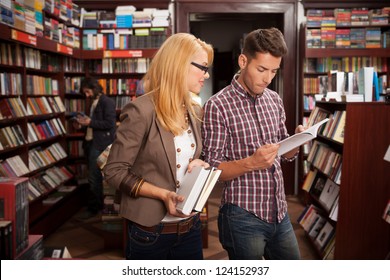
(157, 142)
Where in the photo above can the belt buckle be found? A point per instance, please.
(183, 227)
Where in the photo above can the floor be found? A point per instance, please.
(96, 240)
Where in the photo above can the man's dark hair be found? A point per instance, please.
(93, 84)
(269, 40)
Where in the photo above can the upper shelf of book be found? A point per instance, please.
(346, 52)
(10, 34)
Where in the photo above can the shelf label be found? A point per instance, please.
(64, 49)
(24, 37)
(122, 53)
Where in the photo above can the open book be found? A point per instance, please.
(300, 138)
(196, 188)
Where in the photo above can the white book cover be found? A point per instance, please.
(329, 193)
(208, 187)
(191, 187)
(324, 235)
(365, 82)
(299, 139)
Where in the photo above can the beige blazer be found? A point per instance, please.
(144, 148)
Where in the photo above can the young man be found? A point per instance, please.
(100, 132)
(242, 124)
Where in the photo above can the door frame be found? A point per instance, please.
(289, 66)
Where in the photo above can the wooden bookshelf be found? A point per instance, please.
(360, 233)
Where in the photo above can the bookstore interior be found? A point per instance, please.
(341, 50)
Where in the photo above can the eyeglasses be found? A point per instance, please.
(201, 67)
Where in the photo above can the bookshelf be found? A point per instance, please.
(118, 69)
(358, 181)
(319, 55)
(33, 138)
(316, 62)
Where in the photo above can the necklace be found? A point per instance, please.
(185, 116)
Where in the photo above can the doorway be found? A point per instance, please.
(225, 32)
(221, 21)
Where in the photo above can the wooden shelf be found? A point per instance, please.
(347, 52)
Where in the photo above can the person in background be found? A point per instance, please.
(100, 132)
(157, 142)
(242, 124)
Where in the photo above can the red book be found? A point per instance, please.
(5, 109)
(14, 208)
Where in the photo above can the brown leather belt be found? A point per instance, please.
(169, 228)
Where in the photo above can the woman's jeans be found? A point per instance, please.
(144, 245)
(246, 237)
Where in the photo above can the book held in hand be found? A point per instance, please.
(196, 188)
(300, 138)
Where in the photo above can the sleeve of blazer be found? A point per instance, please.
(125, 148)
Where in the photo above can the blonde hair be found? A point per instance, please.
(166, 79)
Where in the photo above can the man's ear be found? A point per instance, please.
(242, 61)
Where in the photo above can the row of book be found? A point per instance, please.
(331, 37)
(73, 65)
(120, 65)
(344, 64)
(38, 85)
(327, 160)
(51, 179)
(11, 136)
(46, 129)
(13, 166)
(335, 127)
(36, 59)
(11, 84)
(29, 15)
(12, 54)
(14, 107)
(72, 85)
(75, 148)
(44, 105)
(74, 105)
(363, 85)
(347, 17)
(61, 33)
(122, 39)
(324, 191)
(125, 17)
(309, 102)
(131, 87)
(122, 100)
(319, 229)
(41, 157)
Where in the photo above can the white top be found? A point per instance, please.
(185, 146)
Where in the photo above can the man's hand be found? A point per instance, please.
(264, 157)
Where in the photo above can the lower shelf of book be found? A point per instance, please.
(46, 218)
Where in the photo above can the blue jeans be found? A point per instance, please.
(246, 237)
(143, 245)
(95, 180)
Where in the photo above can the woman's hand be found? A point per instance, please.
(170, 200)
(197, 162)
